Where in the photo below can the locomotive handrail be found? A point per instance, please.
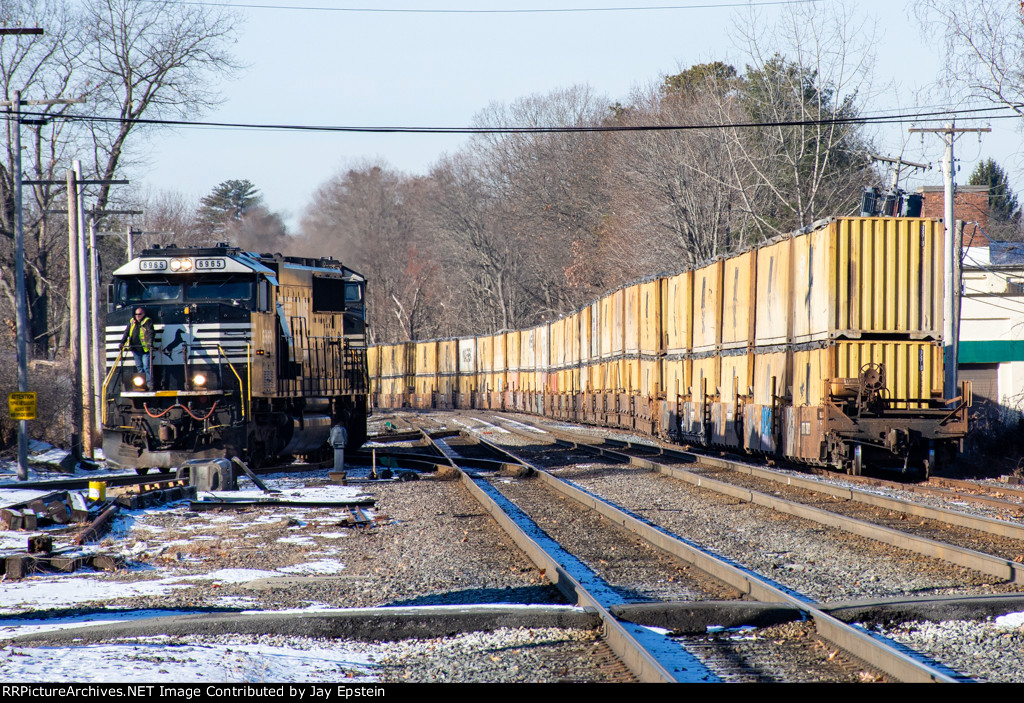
(239, 378)
(106, 383)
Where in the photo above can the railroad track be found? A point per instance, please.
(557, 560)
(990, 546)
(1001, 500)
(726, 655)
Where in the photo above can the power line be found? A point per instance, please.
(978, 299)
(513, 11)
(878, 119)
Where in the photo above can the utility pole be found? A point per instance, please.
(951, 299)
(76, 367)
(84, 311)
(85, 353)
(99, 340)
(898, 164)
(21, 313)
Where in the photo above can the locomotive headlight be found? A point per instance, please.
(178, 265)
(139, 381)
(199, 380)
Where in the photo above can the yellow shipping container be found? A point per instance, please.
(485, 354)
(395, 360)
(651, 337)
(676, 378)
(426, 358)
(649, 382)
(630, 370)
(448, 357)
(611, 325)
(773, 291)
(559, 350)
(607, 376)
(572, 339)
(583, 321)
(373, 362)
(679, 313)
(595, 330)
(913, 369)
(707, 310)
(704, 377)
(512, 352)
(768, 367)
(632, 320)
(541, 353)
(738, 300)
(875, 275)
(500, 365)
(736, 376)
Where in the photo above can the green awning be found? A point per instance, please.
(992, 352)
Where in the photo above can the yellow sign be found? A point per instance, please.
(22, 406)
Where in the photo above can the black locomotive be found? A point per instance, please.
(256, 355)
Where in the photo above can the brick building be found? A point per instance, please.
(970, 204)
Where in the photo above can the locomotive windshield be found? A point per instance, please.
(147, 290)
(236, 287)
(158, 289)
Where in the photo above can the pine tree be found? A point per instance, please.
(228, 203)
(1002, 201)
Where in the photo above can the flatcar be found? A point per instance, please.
(258, 356)
(823, 346)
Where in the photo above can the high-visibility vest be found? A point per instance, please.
(145, 333)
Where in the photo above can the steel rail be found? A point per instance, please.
(993, 526)
(624, 643)
(991, 565)
(1002, 528)
(874, 650)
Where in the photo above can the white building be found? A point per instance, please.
(992, 326)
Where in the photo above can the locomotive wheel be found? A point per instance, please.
(857, 468)
(257, 454)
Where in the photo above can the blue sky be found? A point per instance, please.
(397, 69)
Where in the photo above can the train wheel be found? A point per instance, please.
(857, 468)
(929, 464)
(257, 454)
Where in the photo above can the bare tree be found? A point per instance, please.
(171, 216)
(984, 47)
(40, 67)
(479, 257)
(675, 194)
(549, 190)
(131, 60)
(802, 85)
(155, 59)
(367, 216)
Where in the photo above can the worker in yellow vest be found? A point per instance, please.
(138, 338)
